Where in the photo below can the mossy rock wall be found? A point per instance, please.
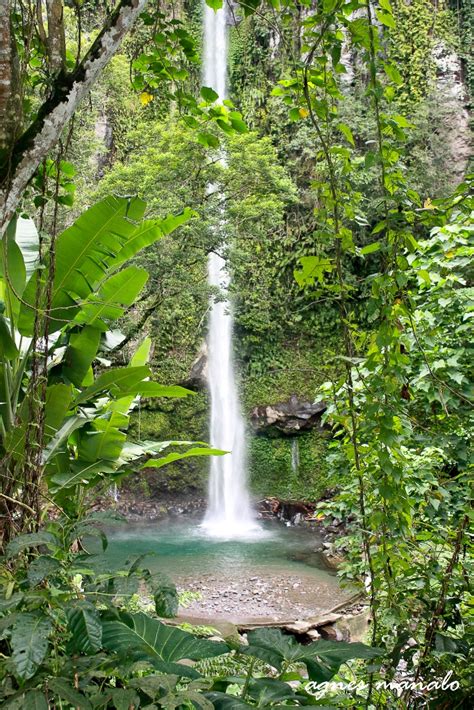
(293, 370)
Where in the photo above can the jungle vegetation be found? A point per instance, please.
(348, 202)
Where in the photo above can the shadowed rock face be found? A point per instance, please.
(198, 375)
(289, 417)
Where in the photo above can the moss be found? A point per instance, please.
(174, 420)
(297, 367)
(270, 467)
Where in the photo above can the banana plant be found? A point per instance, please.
(56, 313)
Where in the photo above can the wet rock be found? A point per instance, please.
(288, 417)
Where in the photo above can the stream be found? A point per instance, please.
(274, 575)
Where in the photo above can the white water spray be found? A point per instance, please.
(229, 513)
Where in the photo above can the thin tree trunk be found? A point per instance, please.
(10, 97)
(56, 37)
(38, 140)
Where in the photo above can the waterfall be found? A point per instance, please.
(295, 455)
(229, 513)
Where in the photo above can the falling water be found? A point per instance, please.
(295, 455)
(229, 513)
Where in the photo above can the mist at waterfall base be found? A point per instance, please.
(229, 513)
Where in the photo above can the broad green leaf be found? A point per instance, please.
(322, 658)
(154, 389)
(26, 236)
(58, 400)
(207, 139)
(222, 701)
(166, 601)
(109, 302)
(102, 439)
(153, 685)
(124, 698)
(23, 542)
(80, 353)
(142, 354)
(85, 627)
(267, 691)
(40, 568)
(238, 124)
(6, 605)
(393, 73)
(12, 266)
(29, 642)
(83, 254)
(347, 133)
(81, 473)
(371, 248)
(34, 700)
(209, 94)
(139, 637)
(62, 688)
(148, 232)
(177, 456)
(215, 4)
(120, 379)
(8, 348)
(386, 19)
(59, 440)
(313, 268)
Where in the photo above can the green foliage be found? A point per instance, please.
(77, 643)
(83, 414)
(270, 467)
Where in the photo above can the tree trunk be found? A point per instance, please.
(10, 96)
(56, 37)
(38, 140)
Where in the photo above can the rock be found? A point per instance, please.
(288, 417)
(323, 620)
(313, 635)
(331, 633)
(198, 375)
(298, 627)
(355, 627)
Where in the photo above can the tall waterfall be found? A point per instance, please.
(229, 513)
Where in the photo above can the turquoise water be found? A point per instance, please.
(181, 549)
(274, 575)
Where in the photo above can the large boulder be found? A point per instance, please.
(198, 374)
(288, 417)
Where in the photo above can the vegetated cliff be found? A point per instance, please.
(286, 340)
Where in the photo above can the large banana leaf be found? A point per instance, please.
(177, 456)
(26, 236)
(100, 241)
(141, 638)
(83, 252)
(108, 303)
(80, 353)
(121, 380)
(148, 233)
(18, 260)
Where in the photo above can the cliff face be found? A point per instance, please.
(285, 339)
